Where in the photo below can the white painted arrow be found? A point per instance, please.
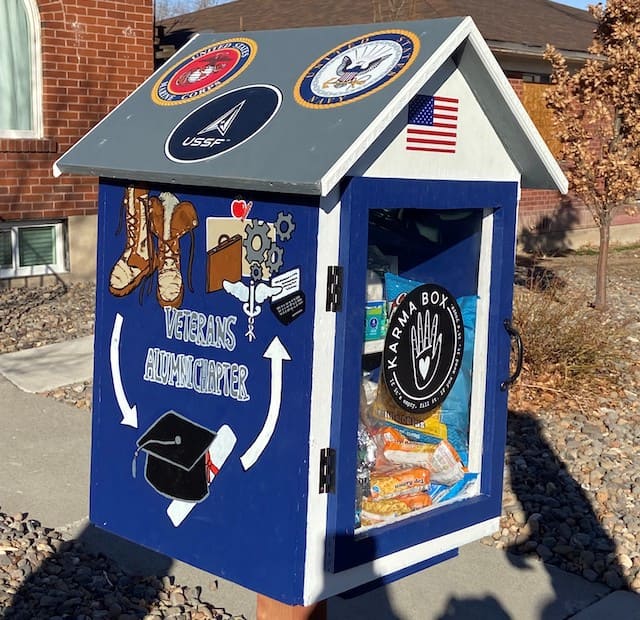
(129, 413)
(277, 353)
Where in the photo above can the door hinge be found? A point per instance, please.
(327, 471)
(334, 288)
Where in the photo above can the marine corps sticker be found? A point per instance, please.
(423, 348)
(356, 69)
(204, 71)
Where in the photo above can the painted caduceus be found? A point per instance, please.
(252, 296)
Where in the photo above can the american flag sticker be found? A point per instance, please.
(432, 124)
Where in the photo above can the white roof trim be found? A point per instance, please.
(467, 30)
(516, 107)
(394, 107)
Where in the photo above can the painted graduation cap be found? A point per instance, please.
(297, 146)
(176, 457)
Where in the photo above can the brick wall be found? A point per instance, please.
(94, 53)
(544, 211)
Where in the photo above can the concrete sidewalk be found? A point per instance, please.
(45, 368)
(45, 451)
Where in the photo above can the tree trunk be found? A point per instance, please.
(601, 270)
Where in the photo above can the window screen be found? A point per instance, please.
(36, 246)
(6, 259)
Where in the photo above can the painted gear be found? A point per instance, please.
(275, 258)
(256, 271)
(257, 229)
(284, 226)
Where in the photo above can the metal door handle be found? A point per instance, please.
(514, 334)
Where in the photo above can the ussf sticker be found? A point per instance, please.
(423, 348)
(223, 123)
(204, 71)
(356, 69)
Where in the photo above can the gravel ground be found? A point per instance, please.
(572, 485)
(45, 576)
(32, 317)
(572, 473)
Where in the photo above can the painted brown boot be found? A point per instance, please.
(170, 219)
(135, 262)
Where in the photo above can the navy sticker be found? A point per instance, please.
(423, 348)
(356, 69)
(223, 123)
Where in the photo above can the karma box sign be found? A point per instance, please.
(423, 348)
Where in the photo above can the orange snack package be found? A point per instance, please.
(395, 482)
(378, 511)
(441, 460)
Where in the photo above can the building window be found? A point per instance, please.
(532, 78)
(33, 249)
(20, 68)
(535, 78)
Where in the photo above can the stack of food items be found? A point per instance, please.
(408, 462)
(404, 464)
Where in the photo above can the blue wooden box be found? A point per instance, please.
(277, 242)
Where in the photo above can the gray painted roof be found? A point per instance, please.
(304, 150)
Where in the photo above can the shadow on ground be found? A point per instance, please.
(559, 524)
(549, 235)
(80, 581)
(531, 275)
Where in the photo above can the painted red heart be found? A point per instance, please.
(240, 208)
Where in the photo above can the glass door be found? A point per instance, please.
(420, 417)
(417, 362)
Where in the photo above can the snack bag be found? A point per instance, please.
(367, 447)
(442, 460)
(366, 458)
(389, 433)
(374, 512)
(395, 482)
(381, 436)
(386, 411)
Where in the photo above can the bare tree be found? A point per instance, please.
(171, 8)
(393, 10)
(596, 116)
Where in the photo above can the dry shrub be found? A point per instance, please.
(567, 343)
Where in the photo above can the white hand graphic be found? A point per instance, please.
(426, 347)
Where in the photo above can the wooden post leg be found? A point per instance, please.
(268, 609)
